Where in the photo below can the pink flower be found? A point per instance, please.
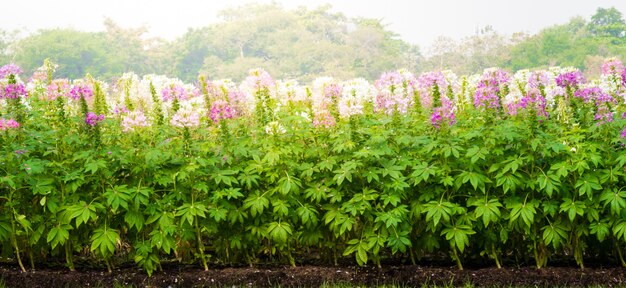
(81, 89)
(612, 66)
(186, 118)
(221, 110)
(134, 120)
(58, 88)
(258, 79)
(8, 124)
(9, 69)
(174, 91)
(324, 119)
(623, 133)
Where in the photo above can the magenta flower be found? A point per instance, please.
(13, 91)
(444, 114)
(395, 92)
(92, 119)
(221, 110)
(81, 89)
(9, 69)
(533, 101)
(570, 79)
(8, 124)
(624, 77)
(489, 88)
(623, 133)
(426, 84)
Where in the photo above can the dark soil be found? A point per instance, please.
(309, 275)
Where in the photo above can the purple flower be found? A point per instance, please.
(488, 90)
(92, 119)
(595, 94)
(13, 91)
(21, 152)
(623, 133)
(624, 77)
(570, 79)
(324, 119)
(444, 114)
(533, 101)
(221, 110)
(81, 89)
(9, 69)
(427, 83)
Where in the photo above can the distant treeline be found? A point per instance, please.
(304, 44)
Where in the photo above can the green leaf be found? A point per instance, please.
(572, 208)
(526, 211)
(103, 240)
(458, 235)
(279, 231)
(256, 203)
(58, 235)
(488, 210)
(555, 234)
(615, 199)
(587, 184)
(437, 211)
(600, 229)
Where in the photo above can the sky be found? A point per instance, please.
(418, 22)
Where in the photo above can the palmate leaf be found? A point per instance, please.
(615, 199)
(458, 235)
(572, 208)
(279, 232)
(555, 234)
(600, 229)
(58, 235)
(526, 211)
(190, 211)
(437, 211)
(488, 210)
(587, 184)
(399, 242)
(103, 240)
(256, 203)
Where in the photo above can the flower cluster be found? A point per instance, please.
(612, 66)
(432, 85)
(9, 69)
(570, 79)
(57, 88)
(444, 114)
(6, 124)
(133, 121)
(395, 92)
(258, 79)
(12, 91)
(186, 118)
(354, 95)
(489, 88)
(221, 110)
(92, 119)
(174, 91)
(532, 101)
(324, 119)
(81, 89)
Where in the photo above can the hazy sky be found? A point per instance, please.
(418, 22)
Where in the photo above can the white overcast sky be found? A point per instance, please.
(418, 22)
